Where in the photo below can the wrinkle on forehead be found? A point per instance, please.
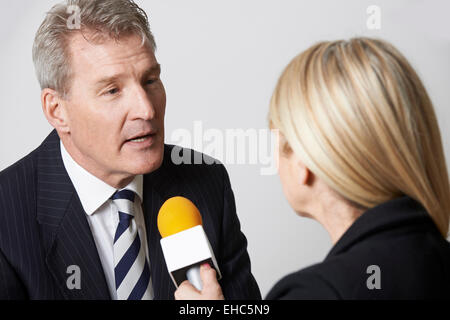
(127, 51)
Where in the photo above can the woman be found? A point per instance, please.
(361, 153)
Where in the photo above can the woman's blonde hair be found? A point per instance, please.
(356, 113)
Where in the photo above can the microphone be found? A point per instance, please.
(184, 242)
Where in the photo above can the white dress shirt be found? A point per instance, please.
(102, 214)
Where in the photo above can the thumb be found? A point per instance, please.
(207, 275)
(211, 287)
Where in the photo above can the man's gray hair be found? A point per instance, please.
(98, 18)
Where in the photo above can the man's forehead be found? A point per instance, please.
(109, 51)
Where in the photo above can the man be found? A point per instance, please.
(78, 214)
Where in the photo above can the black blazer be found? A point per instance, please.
(397, 236)
(44, 229)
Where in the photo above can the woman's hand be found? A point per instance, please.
(211, 288)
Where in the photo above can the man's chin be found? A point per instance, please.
(148, 164)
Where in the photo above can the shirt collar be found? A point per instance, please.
(92, 191)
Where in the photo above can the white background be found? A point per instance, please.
(220, 62)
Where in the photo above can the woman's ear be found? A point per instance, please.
(304, 173)
(54, 111)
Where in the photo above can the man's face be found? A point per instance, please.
(115, 95)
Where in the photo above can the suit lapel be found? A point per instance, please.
(159, 186)
(66, 233)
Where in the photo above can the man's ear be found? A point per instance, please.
(54, 110)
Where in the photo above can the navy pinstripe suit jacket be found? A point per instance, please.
(44, 229)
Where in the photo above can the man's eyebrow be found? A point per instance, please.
(153, 69)
(107, 80)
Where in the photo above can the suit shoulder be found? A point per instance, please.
(196, 176)
(191, 160)
(401, 272)
(306, 284)
(22, 167)
(17, 183)
(338, 277)
(17, 193)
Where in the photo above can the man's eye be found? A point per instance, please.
(151, 81)
(112, 91)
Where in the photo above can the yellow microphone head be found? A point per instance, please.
(177, 214)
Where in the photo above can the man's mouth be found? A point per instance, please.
(141, 138)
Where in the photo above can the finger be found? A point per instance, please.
(208, 275)
(186, 291)
(211, 287)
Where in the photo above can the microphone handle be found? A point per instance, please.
(193, 275)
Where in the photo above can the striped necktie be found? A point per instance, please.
(131, 268)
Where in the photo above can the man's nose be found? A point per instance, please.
(142, 106)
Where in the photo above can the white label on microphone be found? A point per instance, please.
(187, 247)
